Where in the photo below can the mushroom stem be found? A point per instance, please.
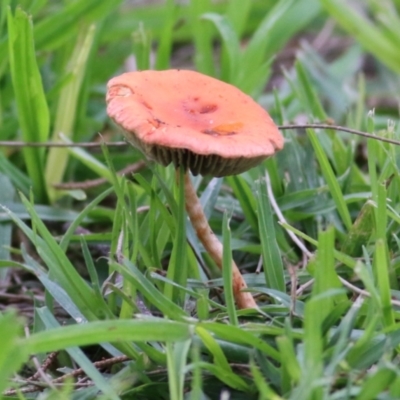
(212, 245)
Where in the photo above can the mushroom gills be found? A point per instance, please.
(212, 164)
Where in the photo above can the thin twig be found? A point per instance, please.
(340, 128)
(364, 292)
(45, 366)
(98, 364)
(300, 244)
(39, 371)
(282, 219)
(56, 382)
(20, 297)
(119, 250)
(38, 386)
(259, 265)
(17, 144)
(293, 284)
(305, 286)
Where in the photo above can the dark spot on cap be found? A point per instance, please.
(196, 105)
(208, 108)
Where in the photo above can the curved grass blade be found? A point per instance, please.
(165, 39)
(202, 37)
(240, 336)
(57, 158)
(155, 329)
(370, 35)
(147, 289)
(231, 44)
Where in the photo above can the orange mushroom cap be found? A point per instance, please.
(191, 119)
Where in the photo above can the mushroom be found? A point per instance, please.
(200, 123)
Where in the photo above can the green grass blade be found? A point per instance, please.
(308, 95)
(214, 348)
(277, 27)
(33, 112)
(361, 231)
(313, 347)
(202, 37)
(382, 274)
(273, 267)
(3, 15)
(244, 193)
(89, 161)
(376, 384)
(165, 39)
(230, 41)
(7, 194)
(14, 351)
(325, 275)
(345, 259)
(154, 228)
(60, 266)
(57, 159)
(79, 356)
(177, 267)
(196, 384)
(330, 179)
(238, 335)
(227, 271)
(108, 331)
(265, 390)
(53, 289)
(161, 207)
(19, 179)
(373, 150)
(80, 218)
(230, 379)
(141, 39)
(133, 220)
(239, 15)
(363, 30)
(143, 285)
(58, 28)
(176, 362)
(290, 363)
(94, 278)
(381, 218)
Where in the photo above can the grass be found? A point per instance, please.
(105, 291)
